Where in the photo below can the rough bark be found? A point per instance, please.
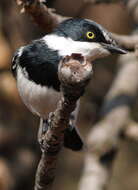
(74, 74)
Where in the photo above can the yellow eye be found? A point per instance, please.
(90, 35)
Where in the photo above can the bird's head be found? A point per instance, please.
(84, 36)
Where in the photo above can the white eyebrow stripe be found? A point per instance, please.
(67, 46)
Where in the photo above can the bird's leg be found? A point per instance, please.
(43, 127)
(72, 139)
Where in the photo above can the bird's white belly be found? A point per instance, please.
(39, 99)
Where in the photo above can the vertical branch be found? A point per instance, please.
(74, 74)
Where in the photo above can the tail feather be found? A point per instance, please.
(72, 140)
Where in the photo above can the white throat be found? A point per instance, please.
(67, 46)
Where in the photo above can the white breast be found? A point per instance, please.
(39, 99)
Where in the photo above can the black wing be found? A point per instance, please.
(40, 63)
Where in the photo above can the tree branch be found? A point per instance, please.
(131, 131)
(44, 17)
(132, 7)
(125, 41)
(103, 139)
(74, 74)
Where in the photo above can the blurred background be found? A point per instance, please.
(19, 150)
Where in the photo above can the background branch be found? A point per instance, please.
(103, 139)
(126, 41)
(132, 7)
(131, 131)
(44, 17)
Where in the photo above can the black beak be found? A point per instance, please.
(114, 48)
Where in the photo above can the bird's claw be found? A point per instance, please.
(41, 133)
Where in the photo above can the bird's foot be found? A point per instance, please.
(43, 127)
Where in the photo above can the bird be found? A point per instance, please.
(35, 67)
